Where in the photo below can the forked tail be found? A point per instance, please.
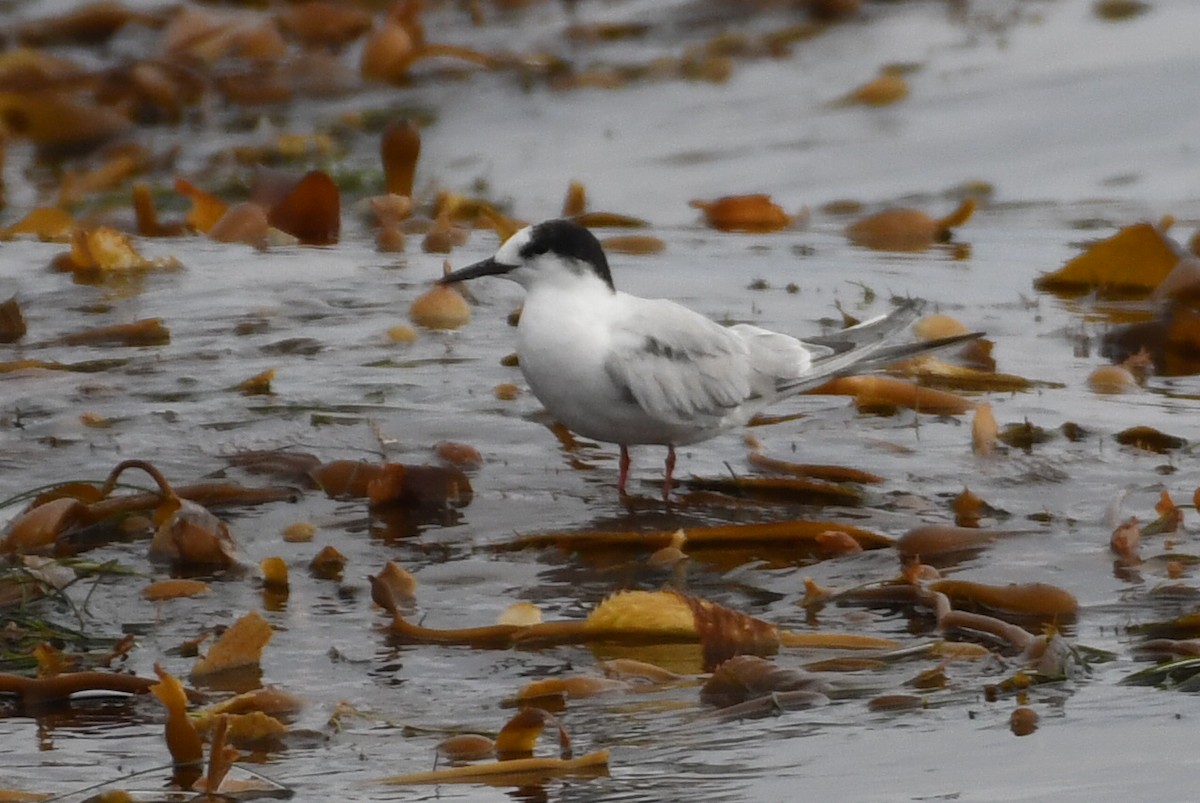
(868, 347)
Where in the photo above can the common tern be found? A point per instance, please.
(621, 369)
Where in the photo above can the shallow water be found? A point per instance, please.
(1080, 125)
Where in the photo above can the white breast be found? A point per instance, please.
(563, 342)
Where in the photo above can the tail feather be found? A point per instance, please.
(868, 347)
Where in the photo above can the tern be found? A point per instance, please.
(622, 369)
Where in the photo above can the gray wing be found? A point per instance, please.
(678, 365)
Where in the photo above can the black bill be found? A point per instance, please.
(488, 267)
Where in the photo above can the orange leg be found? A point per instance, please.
(623, 470)
(670, 470)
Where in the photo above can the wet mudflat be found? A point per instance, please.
(1062, 121)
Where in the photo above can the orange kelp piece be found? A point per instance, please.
(519, 772)
(239, 647)
(252, 730)
(441, 307)
(267, 700)
(1126, 539)
(45, 223)
(174, 589)
(772, 534)
(1035, 600)
(907, 229)
(985, 432)
(393, 587)
(274, 573)
(569, 687)
(748, 213)
(746, 677)
(106, 250)
(626, 617)
(146, 332)
(1132, 261)
(461, 455)
(519, 735)
(1183, 282)
(942, 539)
(57, 123)
(636, 244)
(346, 479)
(327, 564)
(308, 208)
(190, 535)
(220, 760)
(467, 747)
(182, 738)
(930, 371)
(324, 24)
(757, 458)
(1149, 439)
(206, 209)
(885, 394)
(419, 486)
(399, 149)
(39, 527)
(575, 201)
(12, 321)
(244, 223)
(886, 88)
(34, 691)
(796, 489)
